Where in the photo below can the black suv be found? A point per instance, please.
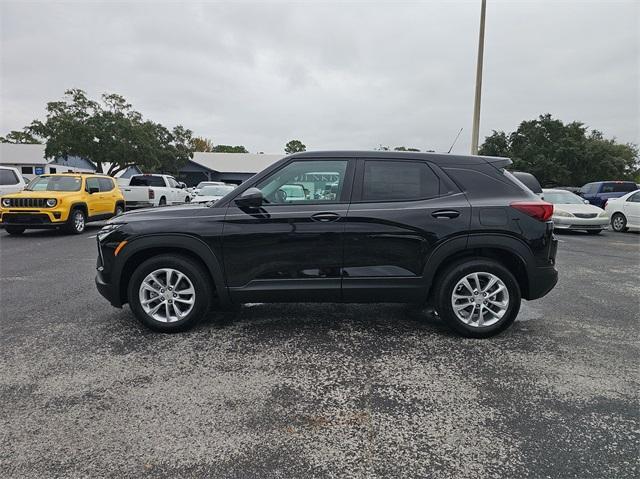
(457, 232)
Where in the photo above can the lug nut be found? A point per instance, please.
(175, 295)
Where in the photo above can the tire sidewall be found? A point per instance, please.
(455, 273)
(624, 222)
(189, 268)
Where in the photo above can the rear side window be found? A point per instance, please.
(618, 187)
(106, 184)
(8, 177)
(398, 181)
(147, 181)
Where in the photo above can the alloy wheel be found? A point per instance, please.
(78, 221)
(480, 299)
(167, 295)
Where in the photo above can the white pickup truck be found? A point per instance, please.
(144, 191)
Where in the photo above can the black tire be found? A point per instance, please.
(447, 281)
(187, 199)
(619, 223)
(119, 210)
(162, 202)
(77, 222)
(195, 273)
(594, 232)
(14, 230)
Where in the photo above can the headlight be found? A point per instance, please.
(108, 229)
(6, 202)
(51, 202)
(561, 213)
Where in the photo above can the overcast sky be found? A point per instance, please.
(349, 75)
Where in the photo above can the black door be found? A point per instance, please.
(290, 249)
(400, 211)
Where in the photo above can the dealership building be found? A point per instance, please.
(227, 167)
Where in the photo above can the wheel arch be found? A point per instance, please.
(145, 247)
(510, 252)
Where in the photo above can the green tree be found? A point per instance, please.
(21, 137)
(199, 143)
(563, 154)
(229, 149)
(111, 132)
(294, 146)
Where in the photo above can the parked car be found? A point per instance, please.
(570, 212)
(11, 181)
(530, 182)
(600, 191)
(144, 191)
(202, 184)
(624, 211)
(458, 232)
(66, 201)
(212, 193)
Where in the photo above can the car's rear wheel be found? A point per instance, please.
(162, 202)
(477, 298)
(77, 221)
(14, 230)
(169, 293)
(619, 222)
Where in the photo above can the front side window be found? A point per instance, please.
(305, 182)
(106, 184)
(398, 181)
(55, 183)
(8, 177)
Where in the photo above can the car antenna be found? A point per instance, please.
(454, 141)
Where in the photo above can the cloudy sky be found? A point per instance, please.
(333, 74)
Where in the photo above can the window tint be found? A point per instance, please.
(106, 184)
(305, 182)
(398, 180)
(27, 170)
(93, 183)
(8, 177)
(146, 180)
(618, 187)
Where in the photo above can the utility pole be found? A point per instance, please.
(475, 131)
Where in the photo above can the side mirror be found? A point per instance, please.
(252, 198)
(182, 185)
(93, 190)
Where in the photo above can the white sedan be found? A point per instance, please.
(212, 193)
(624, 211)
(570, 212)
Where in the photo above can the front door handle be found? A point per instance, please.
(325, 217)
(448, 214)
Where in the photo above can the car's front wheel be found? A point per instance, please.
(477, 297)
(77, 222)
(14, 230)
(619, 222)
(169, 293)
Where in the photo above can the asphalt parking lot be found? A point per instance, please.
(317, 390)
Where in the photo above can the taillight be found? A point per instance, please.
(540, 210)
(152, 194)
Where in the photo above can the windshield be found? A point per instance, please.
(562, 198)
(218, 190)
(55, 183)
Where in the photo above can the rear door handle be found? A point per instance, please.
(325, 217)
(448, 214)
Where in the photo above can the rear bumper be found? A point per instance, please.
(541, 281)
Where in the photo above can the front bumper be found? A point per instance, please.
(107, 290)
(575, 223)
(32, 219)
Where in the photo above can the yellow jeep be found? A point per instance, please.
(66, 201)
